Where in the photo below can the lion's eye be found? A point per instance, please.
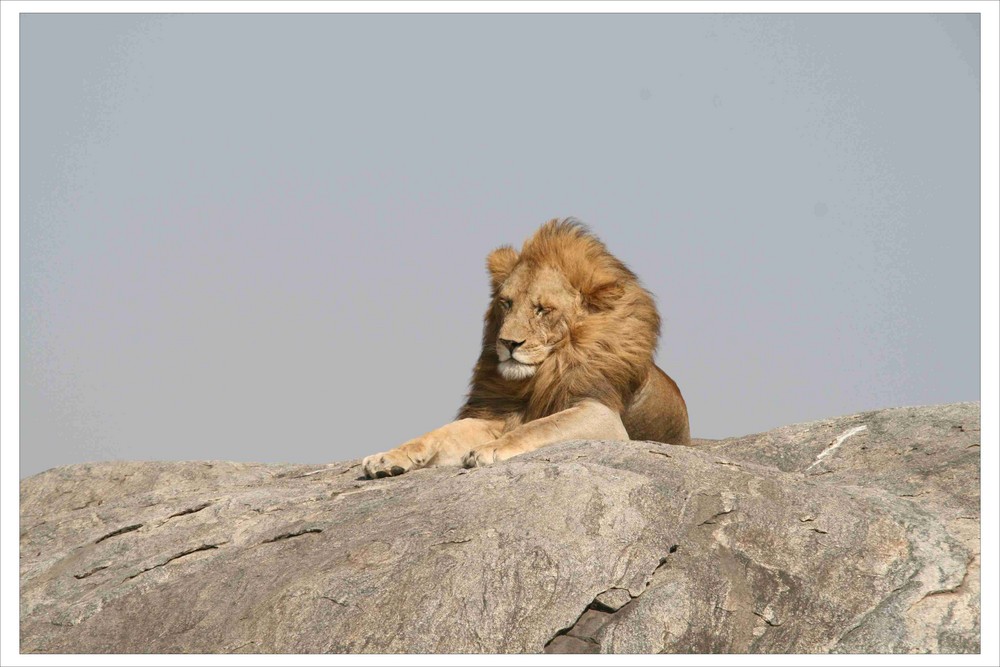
(506, 304)
(541, 310)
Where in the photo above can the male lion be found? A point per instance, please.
(567, 354)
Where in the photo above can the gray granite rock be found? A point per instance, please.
(856, 534)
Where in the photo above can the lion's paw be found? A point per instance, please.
(486, 455)
(386, 464)
(478, 458)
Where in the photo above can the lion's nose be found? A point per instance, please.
(511, 344)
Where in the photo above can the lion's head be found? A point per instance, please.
(567, 320)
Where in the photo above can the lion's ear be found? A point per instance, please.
(602, 296)
(500, 263)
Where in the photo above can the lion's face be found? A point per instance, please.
(536, 306)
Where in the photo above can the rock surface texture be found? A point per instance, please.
(855, 534)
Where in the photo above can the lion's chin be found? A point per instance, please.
(515, 370)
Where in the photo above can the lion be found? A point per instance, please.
(567, 354)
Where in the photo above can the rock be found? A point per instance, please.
(858, 534)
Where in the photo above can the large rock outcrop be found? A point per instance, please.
(856, 534)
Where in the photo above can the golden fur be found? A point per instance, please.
(567, 352)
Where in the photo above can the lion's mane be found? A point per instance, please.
(609, 350)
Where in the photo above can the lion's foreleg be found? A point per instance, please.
(442, 446)
(587, 420)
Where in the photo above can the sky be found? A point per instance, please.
(263, 237)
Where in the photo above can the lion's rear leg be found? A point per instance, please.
(443, 446)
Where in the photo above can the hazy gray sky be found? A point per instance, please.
(262, 237)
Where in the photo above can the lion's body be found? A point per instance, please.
(568, 344)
